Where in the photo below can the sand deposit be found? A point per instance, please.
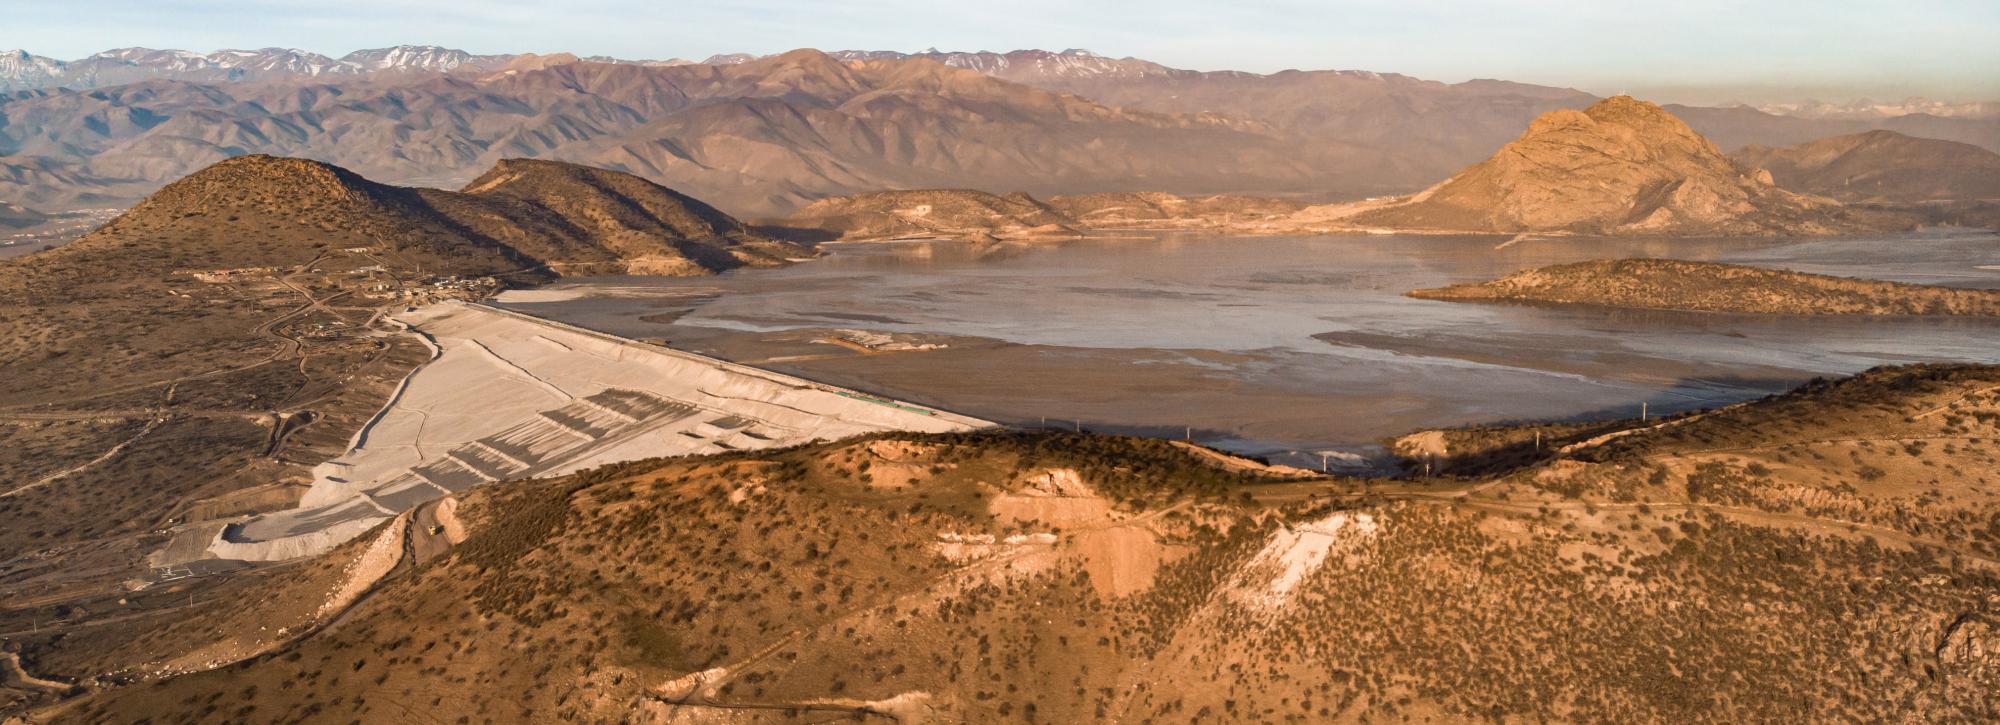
(510, 396)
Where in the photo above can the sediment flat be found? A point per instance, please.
(510, 396)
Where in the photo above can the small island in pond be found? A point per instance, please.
(1666, 284)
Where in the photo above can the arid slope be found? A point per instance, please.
(1828, 551)
(190, 361)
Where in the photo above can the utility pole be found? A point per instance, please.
(1642, 411)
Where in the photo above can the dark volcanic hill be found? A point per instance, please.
(1622, 166)
(1881, 166)
(1669, 284)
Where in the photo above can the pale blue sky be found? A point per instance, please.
(1676, 50)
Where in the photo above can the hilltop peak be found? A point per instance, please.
(1620, 166)
(263, 180)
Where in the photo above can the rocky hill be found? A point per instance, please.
(936, 213)
(1746, 564)
(271, 211)
(1668, 284)
(1620, 167)
(197, 356)
(1881, 166)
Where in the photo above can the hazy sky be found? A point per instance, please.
(1671, 50)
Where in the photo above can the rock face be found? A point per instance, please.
(1620, 167)
(1881, 166)
(937, 213)
(1668, 284)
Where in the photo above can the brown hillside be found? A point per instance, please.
(592, 221)
(1826, 551)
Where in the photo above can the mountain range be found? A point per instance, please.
(763, 136)
(1881, 167)
(21, 70)
(767, 135)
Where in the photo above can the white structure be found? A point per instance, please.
(509, 396)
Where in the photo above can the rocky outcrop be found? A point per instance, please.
(1619, 167)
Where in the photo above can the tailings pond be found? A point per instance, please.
(1287, 347)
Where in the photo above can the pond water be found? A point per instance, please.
(1282, 346)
